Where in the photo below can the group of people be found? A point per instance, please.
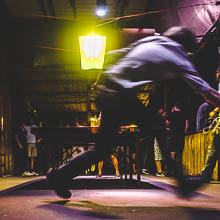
(166, 142)
(152, 59)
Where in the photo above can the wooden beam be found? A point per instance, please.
(62, 103)
(30, 83)
(66, 94)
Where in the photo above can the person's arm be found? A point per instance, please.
(187, 126)
(200, 86)
(199, 118)
(212, 96)
(18, 141)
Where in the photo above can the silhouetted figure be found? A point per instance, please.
(151, 59)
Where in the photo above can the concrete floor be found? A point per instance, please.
(28, 198)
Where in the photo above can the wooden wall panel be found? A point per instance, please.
(5, 134)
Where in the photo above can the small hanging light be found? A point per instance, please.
(101, 8)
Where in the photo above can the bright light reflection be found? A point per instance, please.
(100, 12)
(126, 193)
(92, 50)
(2, 123)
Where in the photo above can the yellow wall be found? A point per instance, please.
(194, 154)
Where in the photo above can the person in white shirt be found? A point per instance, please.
(31, 147)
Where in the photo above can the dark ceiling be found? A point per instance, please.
(45, 58)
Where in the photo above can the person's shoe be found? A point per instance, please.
(26, 173)
(56, 181)
(117, 175)
(189, 184)
(160, 174)
(98, 176)
(144, 171)
(34, 173)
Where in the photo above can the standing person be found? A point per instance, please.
(151, 59)
(156, 150)
(158, 159)
(113, 157)
(161, 151)
(31, 146)
(178, 127)
(20, 153)
(114, 162)
(202, 116)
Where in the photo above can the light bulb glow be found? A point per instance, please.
(101, 12)
(92, 50)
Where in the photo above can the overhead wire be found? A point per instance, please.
(49, 48)
(114, 19)
(125, 16)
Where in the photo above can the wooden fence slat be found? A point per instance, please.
(194, 153)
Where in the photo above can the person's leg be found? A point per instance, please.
(115, 108)
(158, 158)
(102, 149)
(144, 168)
(169, 158)
(148, 166)
(33, 158)
(159, 166)
(134, 163)
(27, 161)
(100, 166)
(164, 150)
(29, 148)
(211, 157)
(60, 179)
(16, 161)
(180, 142)
(22, 160)
(32, 163)
(115, 164)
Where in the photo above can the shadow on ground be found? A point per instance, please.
(102, 183)
(90, 209)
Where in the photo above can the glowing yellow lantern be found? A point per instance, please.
(92, 50)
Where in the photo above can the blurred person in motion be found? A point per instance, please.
(149, 60)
